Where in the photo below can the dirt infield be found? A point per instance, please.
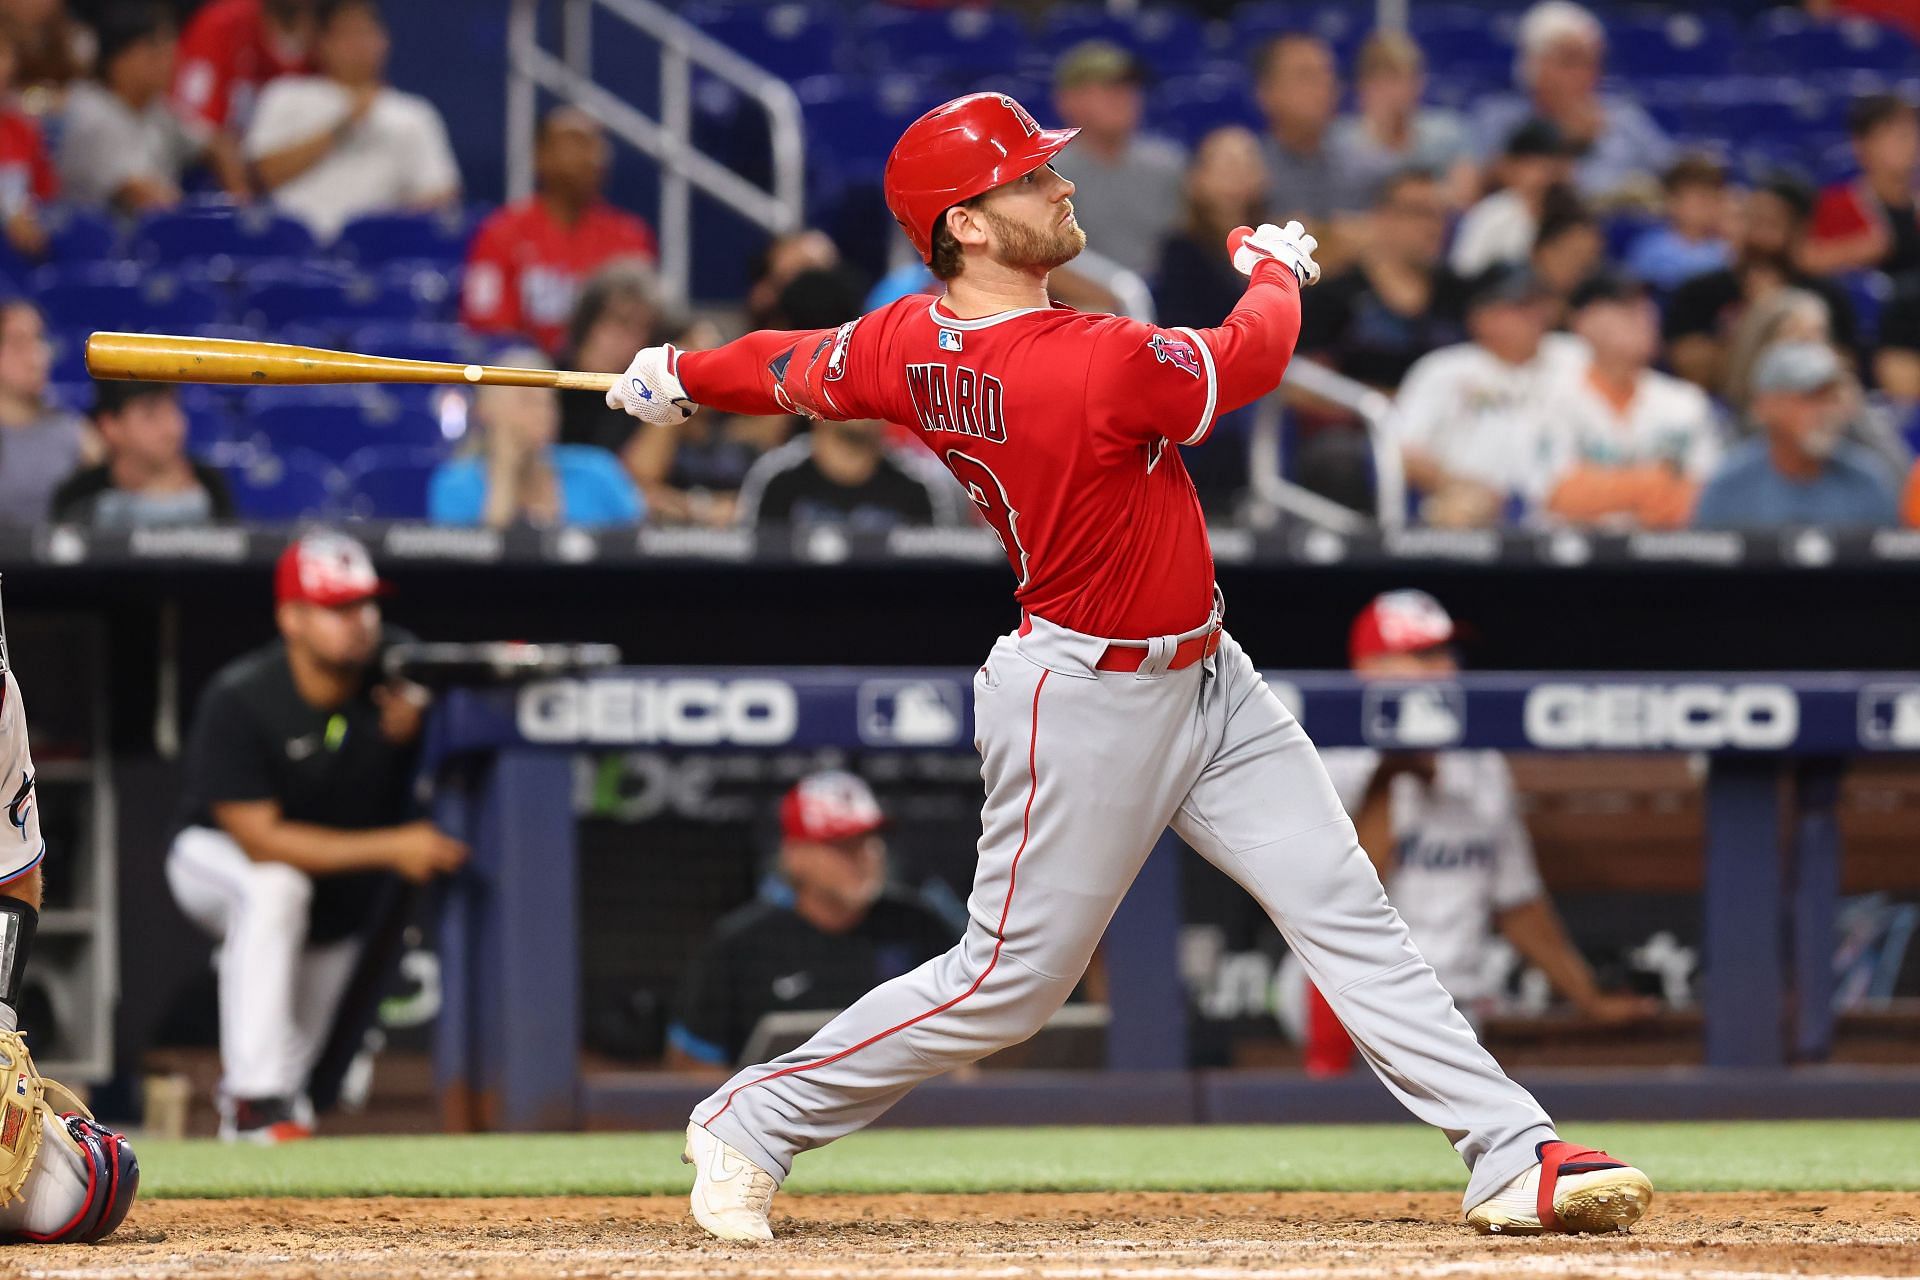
(1290, 1236)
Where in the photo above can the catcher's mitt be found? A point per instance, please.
(64, 1177)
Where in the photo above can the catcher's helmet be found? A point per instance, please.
(957, 151)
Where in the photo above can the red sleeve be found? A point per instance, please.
(1147, 382)
(489, 292)
(823, 373)
(1838, 216)
(203, 83)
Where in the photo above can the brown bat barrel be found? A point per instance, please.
(149, 357)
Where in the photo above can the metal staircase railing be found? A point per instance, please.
(668, 140)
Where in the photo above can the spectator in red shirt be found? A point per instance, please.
(27, 177)
(528, 259)
(1869, 223)
(229, 50)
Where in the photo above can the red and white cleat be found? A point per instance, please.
(1573, 1189)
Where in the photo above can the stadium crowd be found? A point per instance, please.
(1581, 317)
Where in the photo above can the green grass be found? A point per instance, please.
(1785, 1155)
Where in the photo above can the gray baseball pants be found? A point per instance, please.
(1083, 770)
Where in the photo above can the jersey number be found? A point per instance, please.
(988, 494)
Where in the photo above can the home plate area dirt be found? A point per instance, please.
(1285, 1236)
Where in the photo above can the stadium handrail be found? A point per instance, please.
(1272, 493)
(669, 140)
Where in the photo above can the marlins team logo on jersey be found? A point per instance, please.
(20, 808)
(1177, 352)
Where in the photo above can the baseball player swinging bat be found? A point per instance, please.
(1120, 706)
(149, 357)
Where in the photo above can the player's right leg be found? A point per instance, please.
(1264, 812)
(1082, 770)
(258, 913)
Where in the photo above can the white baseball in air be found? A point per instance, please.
(473, 373)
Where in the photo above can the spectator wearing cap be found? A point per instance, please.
(1562, 51)
(296, 814)
(1470, 419)
(528, 259)
(331, 147)
(1502, 226)
(516, 472)
(1628, 446)
(1802, 471)
(40, 444)
(825, 928)
(1390, 131)
(121, 142)
(1444, 831)
(1692, 236)
(1398, 301)
(1128, 184)
(1298, 89)
(148, 478)
(1869, 223)
(1703, 312)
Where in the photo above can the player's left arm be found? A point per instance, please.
(1147, 382)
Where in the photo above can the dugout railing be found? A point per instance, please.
(508, 1046)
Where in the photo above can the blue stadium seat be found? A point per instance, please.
(1342, 26)
(1678, 44)
(791, 40)
(245, 233)
(69, 355)
(853, 121)
(325, 301)
(1170, 40)
(434, 286)
(281, 488)
(1786, 40)
(390, 482)
(958, 44)
(1477, 49)
(120, 295)
(210, 431)
(389, 237)
(80, 235)
(338, 431)
(73, 396)
(1187, 109)
(417, 340)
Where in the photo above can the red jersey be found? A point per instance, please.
(525, 267)
(1058, 424)
(25, 170)
(227, 52)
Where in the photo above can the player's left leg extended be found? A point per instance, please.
(1265, 813)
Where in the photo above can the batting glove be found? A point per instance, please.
(650, 389)
(1290, 246)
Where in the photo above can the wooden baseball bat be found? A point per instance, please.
(150, 357)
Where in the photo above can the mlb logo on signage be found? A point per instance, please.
(1422, 716)
(911, 713)
(1890, 716)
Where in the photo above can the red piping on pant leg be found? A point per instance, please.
(1000, 934)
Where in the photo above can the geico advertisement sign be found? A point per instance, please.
(1686, 717)
(692, 712)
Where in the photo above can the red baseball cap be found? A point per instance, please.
(326, 569)
(833, 805)
(1399, 622)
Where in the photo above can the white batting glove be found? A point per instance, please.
(650, 389)
(1290, 246)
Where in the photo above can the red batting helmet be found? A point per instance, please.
(1399, 622)
(958, 150)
